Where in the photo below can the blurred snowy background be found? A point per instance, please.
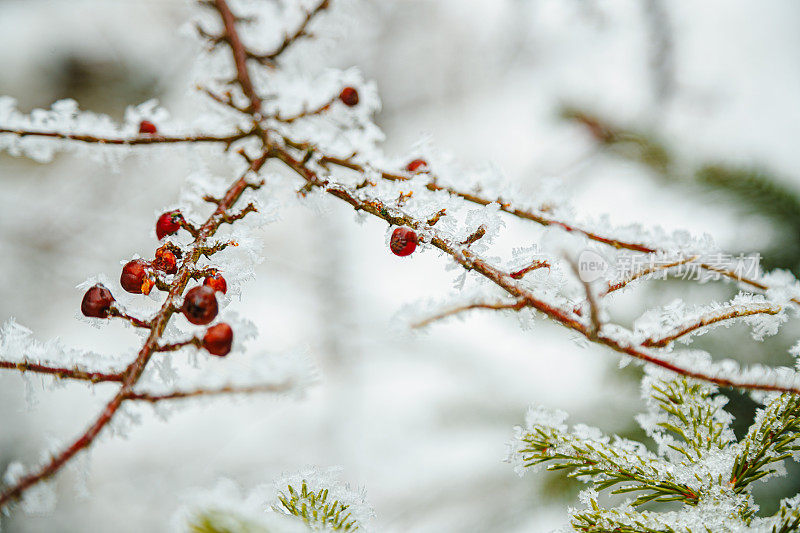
(420, 419)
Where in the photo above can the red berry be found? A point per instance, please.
(416, 165)
(165, 260)
(97, 302)
(218, 339)
(148, 127)
(200, 305)
(168, 223)
(134, 277)
(349, 96)
(216, 282)
(403, 242)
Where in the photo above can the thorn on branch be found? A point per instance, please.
(116, 312)
(479, 233)
(255, 185)
(230, 219)
(214, 40)
(536, 264)
(365, 183)
(401, 200)
(208, 251)
(435, 218)
(243, 153)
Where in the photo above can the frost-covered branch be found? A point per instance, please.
(131, 141)
(712, 318)
(229, 390)
(270, 58)
(61, 372)
(543, 218)
(516, 306)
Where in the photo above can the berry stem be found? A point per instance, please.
(175, 346)
(115, 312)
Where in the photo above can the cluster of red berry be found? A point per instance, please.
(140, 276)
(404, 240)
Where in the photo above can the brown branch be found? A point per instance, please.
(305, 113)
(591, 300)
(130, 141)
(175, 346)
(516, 306)
(537, 264)
(646, 271)
(62, 372)
(227, 390)
(133, 320)
(230, 219)
(539, 218)
(240, 54)
(270, 58)
(506, 282)
(735, 312)
(476, 235)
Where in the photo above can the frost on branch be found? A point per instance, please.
(19, 349)
(698, 463)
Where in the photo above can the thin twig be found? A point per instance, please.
(456, 310)
(62, 372)
(270, 58)
(719, 316)
(130, 141)
(227, 390)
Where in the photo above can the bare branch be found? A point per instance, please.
(516, 306)
(270, 58)
(227, 390)
(62, 372)
(130, 141)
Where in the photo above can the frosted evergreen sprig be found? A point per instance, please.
(698, 462)
(771, 439)
(315, 509)
(215, 521)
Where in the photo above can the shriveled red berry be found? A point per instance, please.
(134, 277)
(217, 282)
(417, 165)
(403, 242)
(168, 223)
(165, 260)
(218, 339)
(349, 96)
(97, 302)
(147, 127)
(200, 305)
